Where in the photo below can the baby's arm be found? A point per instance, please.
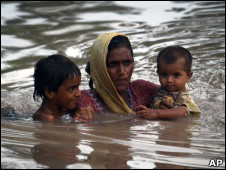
(152, 114)
(84, 114)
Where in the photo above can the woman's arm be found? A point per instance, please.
(84, 114)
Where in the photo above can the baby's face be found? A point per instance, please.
(172, 76)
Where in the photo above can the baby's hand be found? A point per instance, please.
(84, 114)
(169, 99)
(146, 113)
(166, 103)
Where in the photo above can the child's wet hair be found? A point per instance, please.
(51, 72)
(172, 53)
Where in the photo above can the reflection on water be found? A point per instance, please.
(32, 30)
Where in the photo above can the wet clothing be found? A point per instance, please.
(181, 99)
(141, 93)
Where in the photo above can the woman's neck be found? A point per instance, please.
(125, 96)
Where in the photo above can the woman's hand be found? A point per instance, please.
(84, 114)
(146, 113)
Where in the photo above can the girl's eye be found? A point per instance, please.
(72, 88)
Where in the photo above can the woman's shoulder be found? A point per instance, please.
(143, 87)
(88, 93)
(85, 95)
(89, 98)
(143, 92)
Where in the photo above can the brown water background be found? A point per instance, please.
(33, 30)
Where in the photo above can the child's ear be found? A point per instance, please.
(48, 93)
(189, 75)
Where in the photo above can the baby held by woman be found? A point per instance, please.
(174, 71)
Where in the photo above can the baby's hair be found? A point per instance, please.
(117, 41)
(51, 72)
(172, 53)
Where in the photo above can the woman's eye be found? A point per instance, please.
(127, 62)
(112, 64)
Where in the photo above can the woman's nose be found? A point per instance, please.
(121, 69)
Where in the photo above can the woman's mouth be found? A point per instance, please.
(121, 81)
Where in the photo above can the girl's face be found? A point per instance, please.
(120, 67)
(172, 76)
(68, 93)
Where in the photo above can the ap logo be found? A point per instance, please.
(215, 162)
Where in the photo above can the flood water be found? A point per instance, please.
(37, 29)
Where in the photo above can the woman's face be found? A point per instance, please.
(120, 65)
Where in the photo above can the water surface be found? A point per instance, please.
(33, 30)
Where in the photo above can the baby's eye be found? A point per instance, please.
(176, 74)
(163, 75)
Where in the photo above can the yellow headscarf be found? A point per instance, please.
(101, 79)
